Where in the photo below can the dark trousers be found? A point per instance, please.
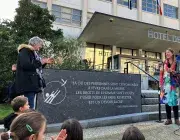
(175, 110)
(31, 99)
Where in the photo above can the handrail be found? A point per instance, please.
(159, 104)
(143, 71)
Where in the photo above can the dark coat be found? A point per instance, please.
(27, 79)
(8, 120)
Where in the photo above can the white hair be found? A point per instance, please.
(35, 41)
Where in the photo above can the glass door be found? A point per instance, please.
(152, 65)
(140, 64)
(131, 68)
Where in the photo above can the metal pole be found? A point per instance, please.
(127, 68)
(159, 105)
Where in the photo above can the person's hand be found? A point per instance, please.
(47, 60)
(43, 61)
(61, 136)
(14, 67)
(169, 70)
(50, 61)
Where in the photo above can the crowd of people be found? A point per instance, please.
(27, 124)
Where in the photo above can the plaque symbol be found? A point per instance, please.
(55, 92)
(52, 96)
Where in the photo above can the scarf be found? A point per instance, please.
(38, 70)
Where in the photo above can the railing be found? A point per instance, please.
(159, 105)
(126, 70)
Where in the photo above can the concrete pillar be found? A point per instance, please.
(163, 56)
(83, 51)
(179, 12)
(84, 22)
(139, 9)
(113, 53)
(161, 17)
(84, 12)
(49, 5)
(114, 7)
(139, 52)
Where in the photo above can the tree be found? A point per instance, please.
(8, 51)
(67, 50)
(32, 20)
(8, 55)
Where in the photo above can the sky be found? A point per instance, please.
(7, 9)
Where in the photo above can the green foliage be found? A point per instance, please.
(5, 110)
(31, 20)
(8, 53)
(69, 51)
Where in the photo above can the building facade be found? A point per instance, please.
(72, 16)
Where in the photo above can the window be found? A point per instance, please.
(41, 4)
(89, 55)
(135, 52)
(143, 54)
(170, 11)
(150, 6)
(126, 52)
(107, 53)
(151, 54)
(66, 15)
(118, 50)
(126, 3)
(158, 55)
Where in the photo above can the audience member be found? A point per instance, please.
(29, 126)
(133, 133)
(19, 105)
(74, 129)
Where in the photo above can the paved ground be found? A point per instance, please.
(151, 130)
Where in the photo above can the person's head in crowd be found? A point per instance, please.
(133, 133)
(74, 129)
(36, 43)
(20, 104)
(27, 126)
(170, 54)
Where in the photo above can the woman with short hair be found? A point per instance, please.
(29, 80)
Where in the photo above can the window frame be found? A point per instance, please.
(71, 14)
(122, 2)
(171, 9)
(146, 4)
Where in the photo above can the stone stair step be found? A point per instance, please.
(149, 101)
(152, 108)
(149, 95)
